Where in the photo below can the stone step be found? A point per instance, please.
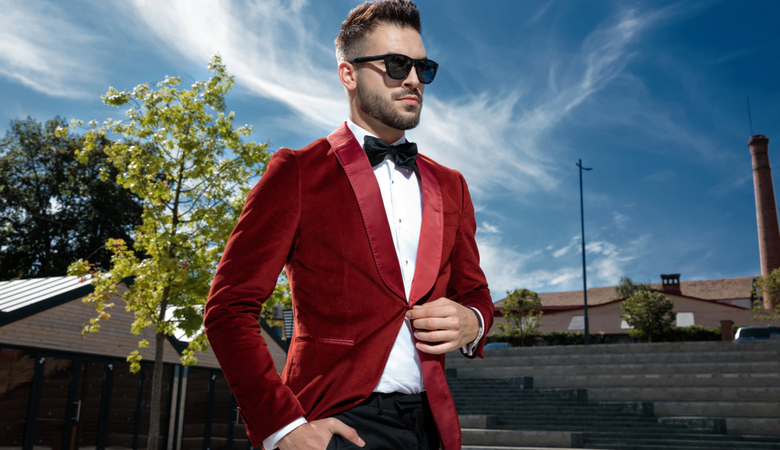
(766, 367)
(658, 380)
(609, 409)
(660, 347)
(495, 447)
(688, 437)
(718, 409)
(604, 428)
(769, 426)
(549, 414)
(666, 444)
(518, 438)
(619, 358)
(570, 421)
(683, 394)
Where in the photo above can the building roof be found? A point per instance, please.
(723, 289)
(719, 289)
(21, 298)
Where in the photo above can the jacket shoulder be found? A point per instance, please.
(448, 177)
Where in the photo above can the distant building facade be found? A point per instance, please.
(60, 390)
(700, 302)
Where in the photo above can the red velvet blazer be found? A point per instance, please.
(318, 213)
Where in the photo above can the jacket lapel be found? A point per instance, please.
(361, 177)
(429, 248)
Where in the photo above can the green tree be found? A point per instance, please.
(193, 175)
(281, 296)
(55, 209)
(768, 285)
(626, 288)
(522, 310)
(649, 314)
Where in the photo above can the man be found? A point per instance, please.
(382, 263)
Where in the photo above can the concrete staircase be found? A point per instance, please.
(623, 396)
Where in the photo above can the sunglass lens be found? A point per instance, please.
(427, 72)
(398, 66)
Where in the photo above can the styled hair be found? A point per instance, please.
(364, 19)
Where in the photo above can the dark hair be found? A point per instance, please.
(366, 17)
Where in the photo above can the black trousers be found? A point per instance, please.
(390, 422)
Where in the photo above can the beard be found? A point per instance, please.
(383, 110)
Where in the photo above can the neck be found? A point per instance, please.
(375, 127)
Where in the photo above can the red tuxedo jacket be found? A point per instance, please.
(318, 213)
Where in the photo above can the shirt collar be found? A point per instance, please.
(360, 134)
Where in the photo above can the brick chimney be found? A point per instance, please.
(766, 210)
(671, 283)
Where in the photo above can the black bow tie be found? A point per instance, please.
(403, 155)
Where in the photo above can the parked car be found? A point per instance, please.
(496, 345)
(756, 333)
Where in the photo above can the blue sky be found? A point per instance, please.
(650, 94)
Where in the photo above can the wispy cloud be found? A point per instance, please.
(43, 51)
(551, 270)
(540, 13)
(265, 44)
(270, 49)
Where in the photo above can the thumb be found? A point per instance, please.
(347, 432)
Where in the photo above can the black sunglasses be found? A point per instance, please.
(399, 66)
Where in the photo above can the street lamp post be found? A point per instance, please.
(584, 273)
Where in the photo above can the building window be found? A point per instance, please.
(16, 375)
(685, 319)
(577, 323)
(625, 326)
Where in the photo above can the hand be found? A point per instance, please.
(443, 325)
(317, 434)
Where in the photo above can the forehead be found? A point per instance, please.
(388, 38)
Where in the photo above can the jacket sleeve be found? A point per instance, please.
(467, 284)
(246, 276)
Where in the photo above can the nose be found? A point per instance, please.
(411, 80)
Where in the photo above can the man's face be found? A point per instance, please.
(395, 103)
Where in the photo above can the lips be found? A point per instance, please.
(409, 97)
(409, 100)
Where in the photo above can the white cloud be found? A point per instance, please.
(508, 269)
(620, 220)
(44, 52)
(488, 228)
(498, 142)
(573, 244)
(266, 45)
(502, 266)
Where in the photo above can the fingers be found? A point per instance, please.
(335, 426)
(437, 348)
(442, 326)
(437, 323)
(441, 307)
(433, 337)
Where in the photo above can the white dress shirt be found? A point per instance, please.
(402, 199)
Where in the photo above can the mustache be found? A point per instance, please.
(407, 92)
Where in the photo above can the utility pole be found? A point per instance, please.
(584, 273)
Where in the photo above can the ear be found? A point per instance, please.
(348, 75)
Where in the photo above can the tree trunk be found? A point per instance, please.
(154, 403)
(154, 407)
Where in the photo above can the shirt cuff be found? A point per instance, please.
(469, 349)
(270, 442)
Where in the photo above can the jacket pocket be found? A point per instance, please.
(325, 340)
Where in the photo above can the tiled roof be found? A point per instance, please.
(720, 289)
(18, 294)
